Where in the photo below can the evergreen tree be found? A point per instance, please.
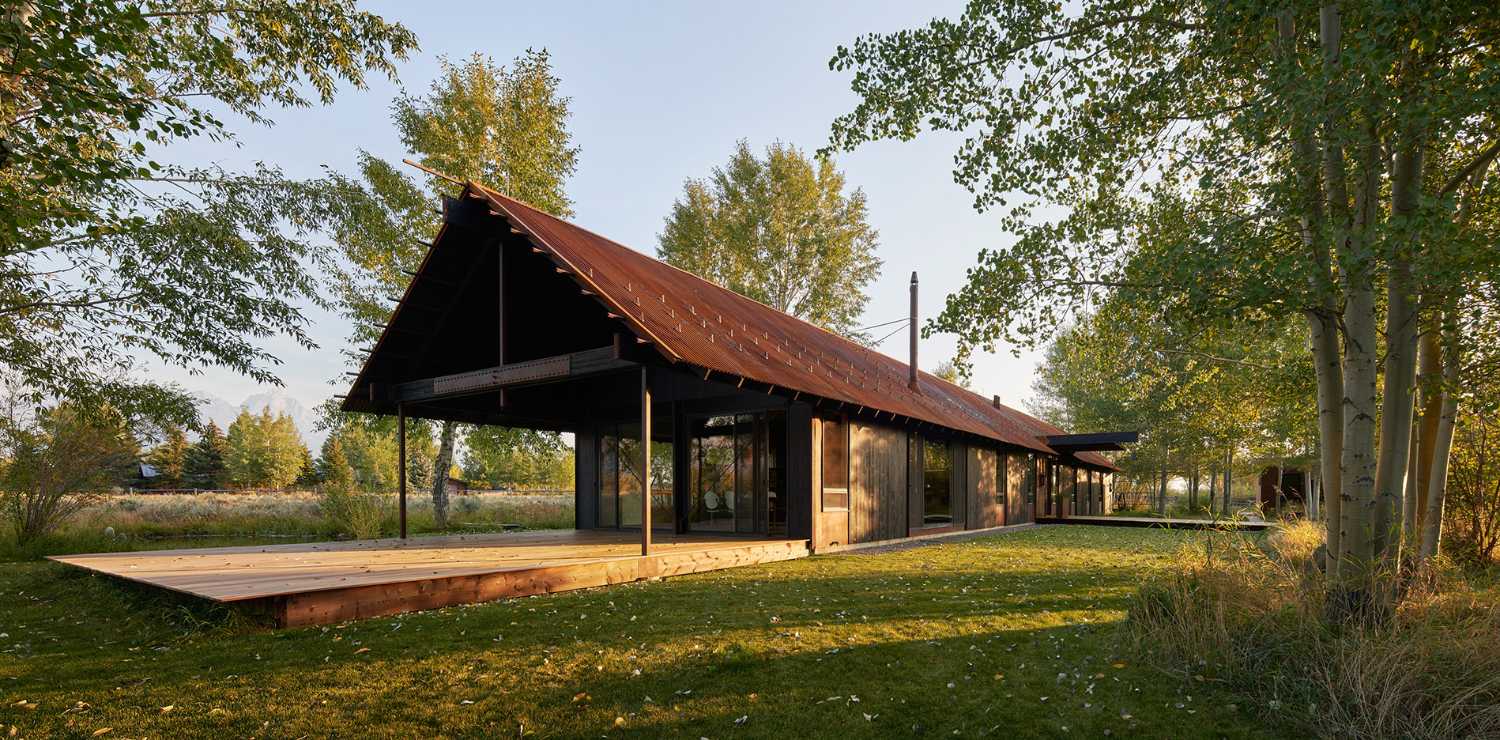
(170, 459)
(307, 477)
(203, 466)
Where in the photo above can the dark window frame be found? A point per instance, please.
(930, 487)
(844, 431)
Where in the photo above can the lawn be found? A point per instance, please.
(1009, 635)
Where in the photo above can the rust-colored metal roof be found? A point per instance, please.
(692, 320)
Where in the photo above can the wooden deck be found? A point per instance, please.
(1151, 521)
(326, 582)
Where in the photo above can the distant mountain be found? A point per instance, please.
(222, 412)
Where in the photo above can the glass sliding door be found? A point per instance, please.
(620, 479)
(736, 476)
(712, 483)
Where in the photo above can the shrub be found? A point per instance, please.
(1252, 617)
(358, 515)
(54, 464)
(348, 512)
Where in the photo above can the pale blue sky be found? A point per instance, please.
(660, 93)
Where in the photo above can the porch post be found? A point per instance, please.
(401, 461)
(645, 462)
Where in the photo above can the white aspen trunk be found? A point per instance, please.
(1350, 590)
(440, 475)
(1400, 364)
(1213, 489)
(1430, 370)
(1280, 486)
(1228, 480)
(1410, 534)
(1314, 494)
(1322, 330)
(1437, 488)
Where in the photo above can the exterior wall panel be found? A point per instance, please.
(877, 483)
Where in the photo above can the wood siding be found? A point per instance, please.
(986, 507)
(877, 483)
(1016, 488)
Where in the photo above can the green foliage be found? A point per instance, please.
(346, 509)
(262, 451)
(504, 457)
(203, 466)
(780, 230)
(1095, 130)
(1192, 394)
(170, 459)
(504, 127)
(370, 445)
(53, 464)
(108, 253)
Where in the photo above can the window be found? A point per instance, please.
(1002, 473)
(620, 479)
(937, 493)
(835, 465)
(1029, 484)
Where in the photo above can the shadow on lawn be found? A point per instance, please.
(919, 635)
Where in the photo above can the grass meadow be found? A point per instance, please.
(1015, 635)
(119, 522)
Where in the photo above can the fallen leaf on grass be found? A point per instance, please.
(168, 708)
(103, 731)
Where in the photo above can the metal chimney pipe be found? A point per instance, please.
(912, 321)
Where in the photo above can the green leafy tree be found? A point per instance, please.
(502, 456)
(1285, 160)
(372, 449)
(170, 458)
(54, 463)
(203, 466)
(502, 126)
(780, 230)
(108, 250)
(263, 451)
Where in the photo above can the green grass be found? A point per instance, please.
(1012, 635)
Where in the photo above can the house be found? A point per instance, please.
(1283, 490)
(749, 421)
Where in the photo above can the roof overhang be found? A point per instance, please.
(1097, 441)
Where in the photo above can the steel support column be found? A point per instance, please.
(645, 461)
(401, 461)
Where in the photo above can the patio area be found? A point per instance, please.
(326, 582)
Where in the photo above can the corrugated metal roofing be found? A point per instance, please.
(692, 320)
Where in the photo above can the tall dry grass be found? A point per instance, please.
(135, 521)
(1251, 616)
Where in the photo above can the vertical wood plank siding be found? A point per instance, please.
(877, 483)
(986, 509)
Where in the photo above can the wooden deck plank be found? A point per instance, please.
(313, 583)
